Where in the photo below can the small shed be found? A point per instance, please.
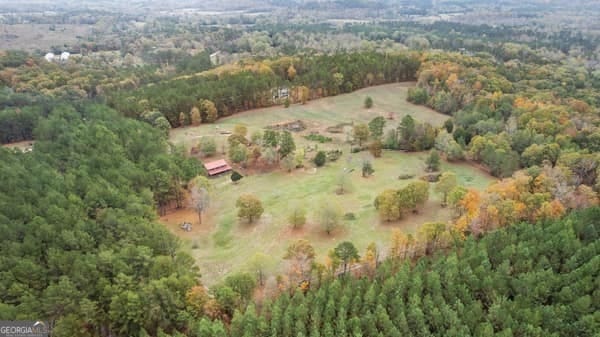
(217, 167)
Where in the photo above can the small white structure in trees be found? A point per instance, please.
(49, 57)
(280, 93)
(215, 58)
(64, 56)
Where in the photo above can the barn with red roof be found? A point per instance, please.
(217, 167)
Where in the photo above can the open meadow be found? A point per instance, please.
(223, 244)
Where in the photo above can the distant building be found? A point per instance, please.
(215, 58)
(64, 56)
(217, 167)
(49, 57)
(280, 93)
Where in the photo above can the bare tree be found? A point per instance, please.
(200, 200)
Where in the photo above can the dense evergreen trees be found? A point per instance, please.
(528, 280)
(80, 245)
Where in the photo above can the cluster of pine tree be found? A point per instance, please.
(525, 280)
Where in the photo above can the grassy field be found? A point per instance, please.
(320, 114)
(223, 244)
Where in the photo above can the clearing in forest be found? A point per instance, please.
(222, 244)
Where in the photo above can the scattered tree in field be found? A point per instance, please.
(301, 254)
(195, 117)
(210, 110)
(393, 204)
(449, 126)
(343, 181)
(270, 155)
(376, 148)
(288, 163)
(387, 205)
(200, 200)
(417, 95)
(414, 195)
(360, 133)
(249, 207)
(286, 144)
(236, 176)
(320, 158)
(240, 130)
(208, 146)
(202, 182)
(330, 217)
(238, 153)
(235, 139)
(286, 102)
(407, 131)
(271, 138)
(183, 121)
(367, 168)
(256, 138)
(368, 102)
(297, 216)
(445, 184)
(376, 126)
(432, 161)
(257, 264)
(347, 253)
(255, 154)
(299, 157)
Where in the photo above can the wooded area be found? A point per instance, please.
(514, 170)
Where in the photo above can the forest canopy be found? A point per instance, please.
(80, 244)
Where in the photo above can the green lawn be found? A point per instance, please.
(224, 244)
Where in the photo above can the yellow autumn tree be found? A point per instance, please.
(470, 205)
(401, 244)
(195, 117)
(291, 72)
(550, 210)
(210, 110)
(195, 299)
(370, 258)
(303, 94)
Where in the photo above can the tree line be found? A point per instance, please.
(249, 84)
